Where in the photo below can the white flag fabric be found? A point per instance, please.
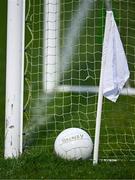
(115, 67)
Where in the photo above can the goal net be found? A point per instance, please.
(63, 52)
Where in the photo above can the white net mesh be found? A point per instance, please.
(73, 100)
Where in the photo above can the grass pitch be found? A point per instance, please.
(45, 165)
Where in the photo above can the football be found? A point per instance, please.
(73, 144)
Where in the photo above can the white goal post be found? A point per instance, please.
(51, 65)
(61, 61)
(14, 78)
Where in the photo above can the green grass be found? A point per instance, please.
(37, 163)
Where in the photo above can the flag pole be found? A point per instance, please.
(108, 4)
(100, 102)
(98, 117)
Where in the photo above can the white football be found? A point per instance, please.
(73, 144)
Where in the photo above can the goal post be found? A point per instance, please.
(14, 78)
(51, 67)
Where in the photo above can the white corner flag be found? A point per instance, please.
(115, 67)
